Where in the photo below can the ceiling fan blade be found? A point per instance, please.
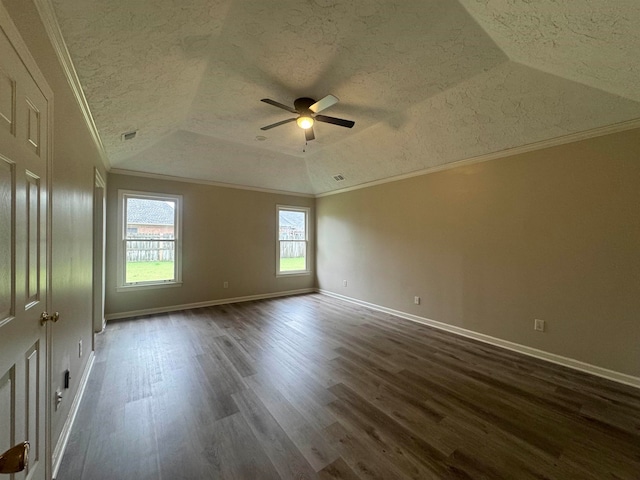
(279, 105)
(324, 103)
(335, 121)
(277, 124)
(308, 134)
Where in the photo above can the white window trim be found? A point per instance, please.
(307, 212)
(121, 285)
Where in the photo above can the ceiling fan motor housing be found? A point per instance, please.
(302, 105)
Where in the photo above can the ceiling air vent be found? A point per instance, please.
(338, 177)
(129, 135)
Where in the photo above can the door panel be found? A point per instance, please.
(32, 404)
(7, 102)
(7, 181)
(33, 239)
(24, 113)
(33, 126)
(7, 399)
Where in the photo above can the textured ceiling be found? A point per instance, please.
(427, 82)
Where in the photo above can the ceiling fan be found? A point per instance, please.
(307, 110)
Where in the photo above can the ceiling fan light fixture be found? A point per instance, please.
(304, 122)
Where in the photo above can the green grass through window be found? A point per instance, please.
(292, 264)
(157, 271)
(149, 271)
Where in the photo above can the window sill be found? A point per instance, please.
(293, 274)
(147, 286)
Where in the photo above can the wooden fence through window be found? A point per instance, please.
(148, 250)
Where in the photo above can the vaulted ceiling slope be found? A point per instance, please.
(427, 82)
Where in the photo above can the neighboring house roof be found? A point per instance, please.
(149, 212)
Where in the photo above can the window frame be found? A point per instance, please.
(122, 284)
(306, 241)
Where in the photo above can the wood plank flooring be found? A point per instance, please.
(309, 387)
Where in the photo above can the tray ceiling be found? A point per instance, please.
(427, 83)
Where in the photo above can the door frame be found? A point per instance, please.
(99, 245)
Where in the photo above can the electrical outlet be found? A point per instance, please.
(79, 348)
(225, 285)
(344, 283)
(538, 325)
(416, 300)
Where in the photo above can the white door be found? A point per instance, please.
(25, 103)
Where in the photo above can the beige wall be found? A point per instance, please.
(228, 235)
(553, 234)
(74, 158)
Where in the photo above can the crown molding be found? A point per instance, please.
(509, 152)
(48, 16)
(171, 178)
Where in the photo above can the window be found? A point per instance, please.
(149, 248)
(293, 240)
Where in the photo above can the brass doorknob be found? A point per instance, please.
(15, 459)
(45, 317)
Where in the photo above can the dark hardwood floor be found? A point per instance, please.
(311, 387)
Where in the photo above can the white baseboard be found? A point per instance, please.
(61, 445)
(210, 303)
(532, 352)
